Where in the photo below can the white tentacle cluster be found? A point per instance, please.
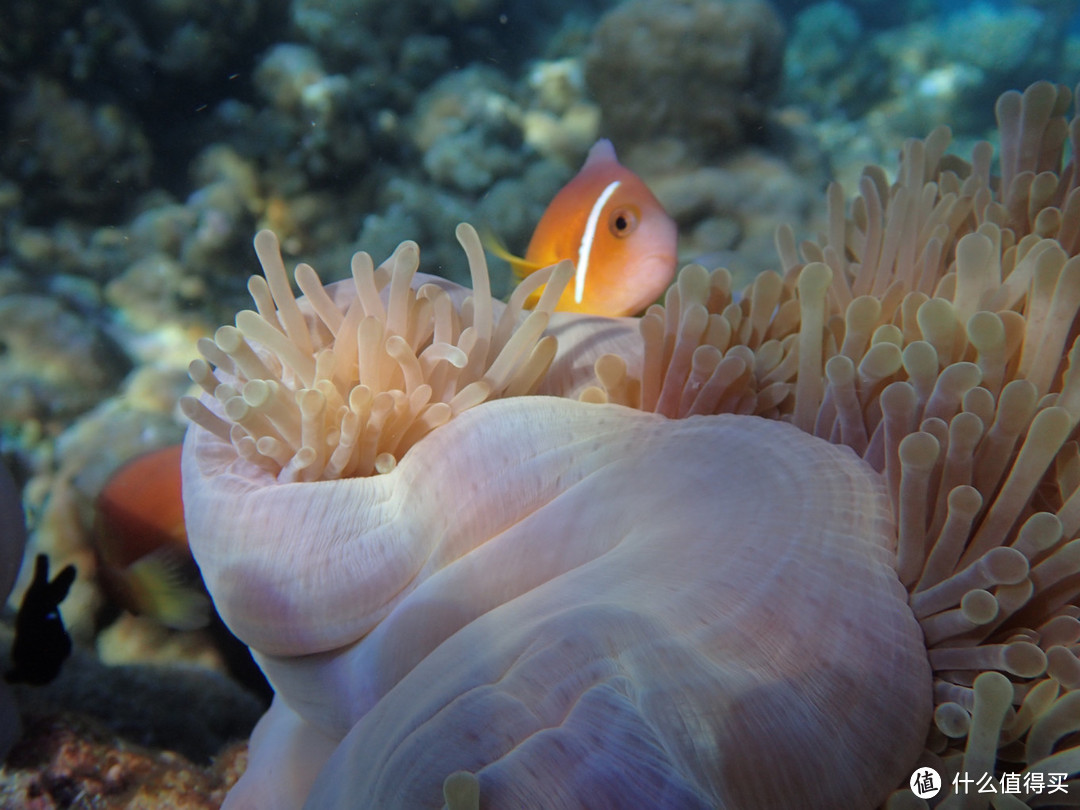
(341, 384)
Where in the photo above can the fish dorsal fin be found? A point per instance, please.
(603, 151)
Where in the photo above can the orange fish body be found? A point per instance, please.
(140, 508)
(141, 541)
(617, 234)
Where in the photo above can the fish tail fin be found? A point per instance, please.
(163, 591)
(494, 246)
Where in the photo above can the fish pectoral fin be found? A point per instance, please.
(165, 593)
(494, 246)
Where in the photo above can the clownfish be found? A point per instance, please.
(620, 239)
(141, 542)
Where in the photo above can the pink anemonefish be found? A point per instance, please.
(610, 225)
(141, 541)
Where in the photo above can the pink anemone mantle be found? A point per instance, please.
(771, 552)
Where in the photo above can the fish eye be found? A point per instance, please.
(623, 222)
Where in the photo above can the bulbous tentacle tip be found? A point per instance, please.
(461, 791)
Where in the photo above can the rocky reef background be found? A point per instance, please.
(145, 142)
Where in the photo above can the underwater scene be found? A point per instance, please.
(499, 404)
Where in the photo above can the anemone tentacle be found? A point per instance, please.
(940, 313)
(932, 330)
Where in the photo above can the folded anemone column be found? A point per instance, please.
(932, 331)
(465, 590)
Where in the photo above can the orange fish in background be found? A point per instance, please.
(141, 541)
(617, 234)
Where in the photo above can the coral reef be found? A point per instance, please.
(823, 62)
(463, 126)
(193, 39)
(135, 47)
(564, 122)
(698, 71)
(174, 706)
(312, 121)
(65, 759)
(728, 213)
(869, 77)
(85, 159)
(54, 364)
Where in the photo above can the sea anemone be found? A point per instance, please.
(765, 550)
